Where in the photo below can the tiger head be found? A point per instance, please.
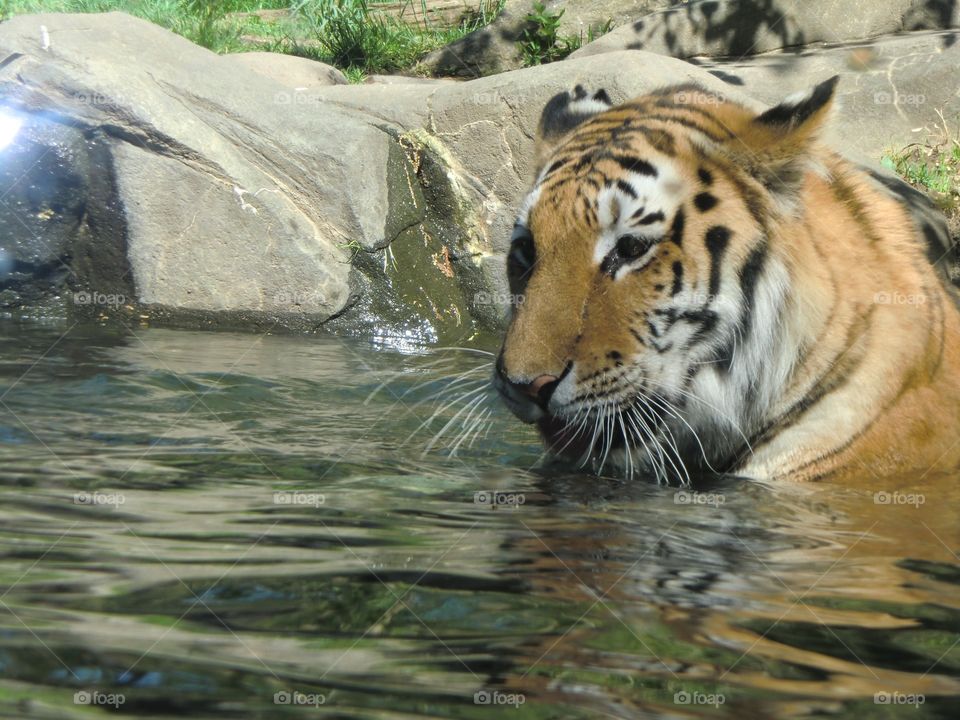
(646, 279)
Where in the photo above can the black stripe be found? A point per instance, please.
(706, 319)
(687, 123)
(722, 358)
(677, 278)
(706, 177)
(749, 277)
(557, 164)
(717, 239)
(649, 219)
(626, 188)
(676, 228)
(753, 200)
(638, 337)
(633, 164)
(661, 140)
(849, 197)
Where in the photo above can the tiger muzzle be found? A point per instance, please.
(527, 400)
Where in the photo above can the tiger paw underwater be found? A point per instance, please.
(701, 288)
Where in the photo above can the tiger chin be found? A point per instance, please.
(700, 288)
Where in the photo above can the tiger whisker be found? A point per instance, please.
(460, 398)
(667, 407)
(468, 429)
(451, 421)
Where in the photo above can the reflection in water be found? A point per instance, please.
(208, 524)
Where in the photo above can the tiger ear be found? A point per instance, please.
(775, 145)
(561, 115)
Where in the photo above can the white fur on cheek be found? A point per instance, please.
(616, 208)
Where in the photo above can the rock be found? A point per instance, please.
(494, 48)
(892, 92)
(243, 202)
(404, 80)
(749, 27)
(54, 196)
(292, 72)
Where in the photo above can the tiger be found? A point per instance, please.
(699, 288)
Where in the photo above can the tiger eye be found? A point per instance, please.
(630, 247)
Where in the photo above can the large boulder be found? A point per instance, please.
(242, 201)
(293, 72)
(749, 27)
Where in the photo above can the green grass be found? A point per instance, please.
(932, 168)
(347, 33)
(543, 43)
(351, 35)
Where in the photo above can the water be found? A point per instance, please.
(196, 522)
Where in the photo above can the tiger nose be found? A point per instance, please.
(542, 388)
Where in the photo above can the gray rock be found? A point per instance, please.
(242, 200)
(749, 27)
(404, 80)
(289, 71)
(892, 93)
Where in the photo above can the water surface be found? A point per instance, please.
(223, 525)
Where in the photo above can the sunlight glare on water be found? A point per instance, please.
(9, 127)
